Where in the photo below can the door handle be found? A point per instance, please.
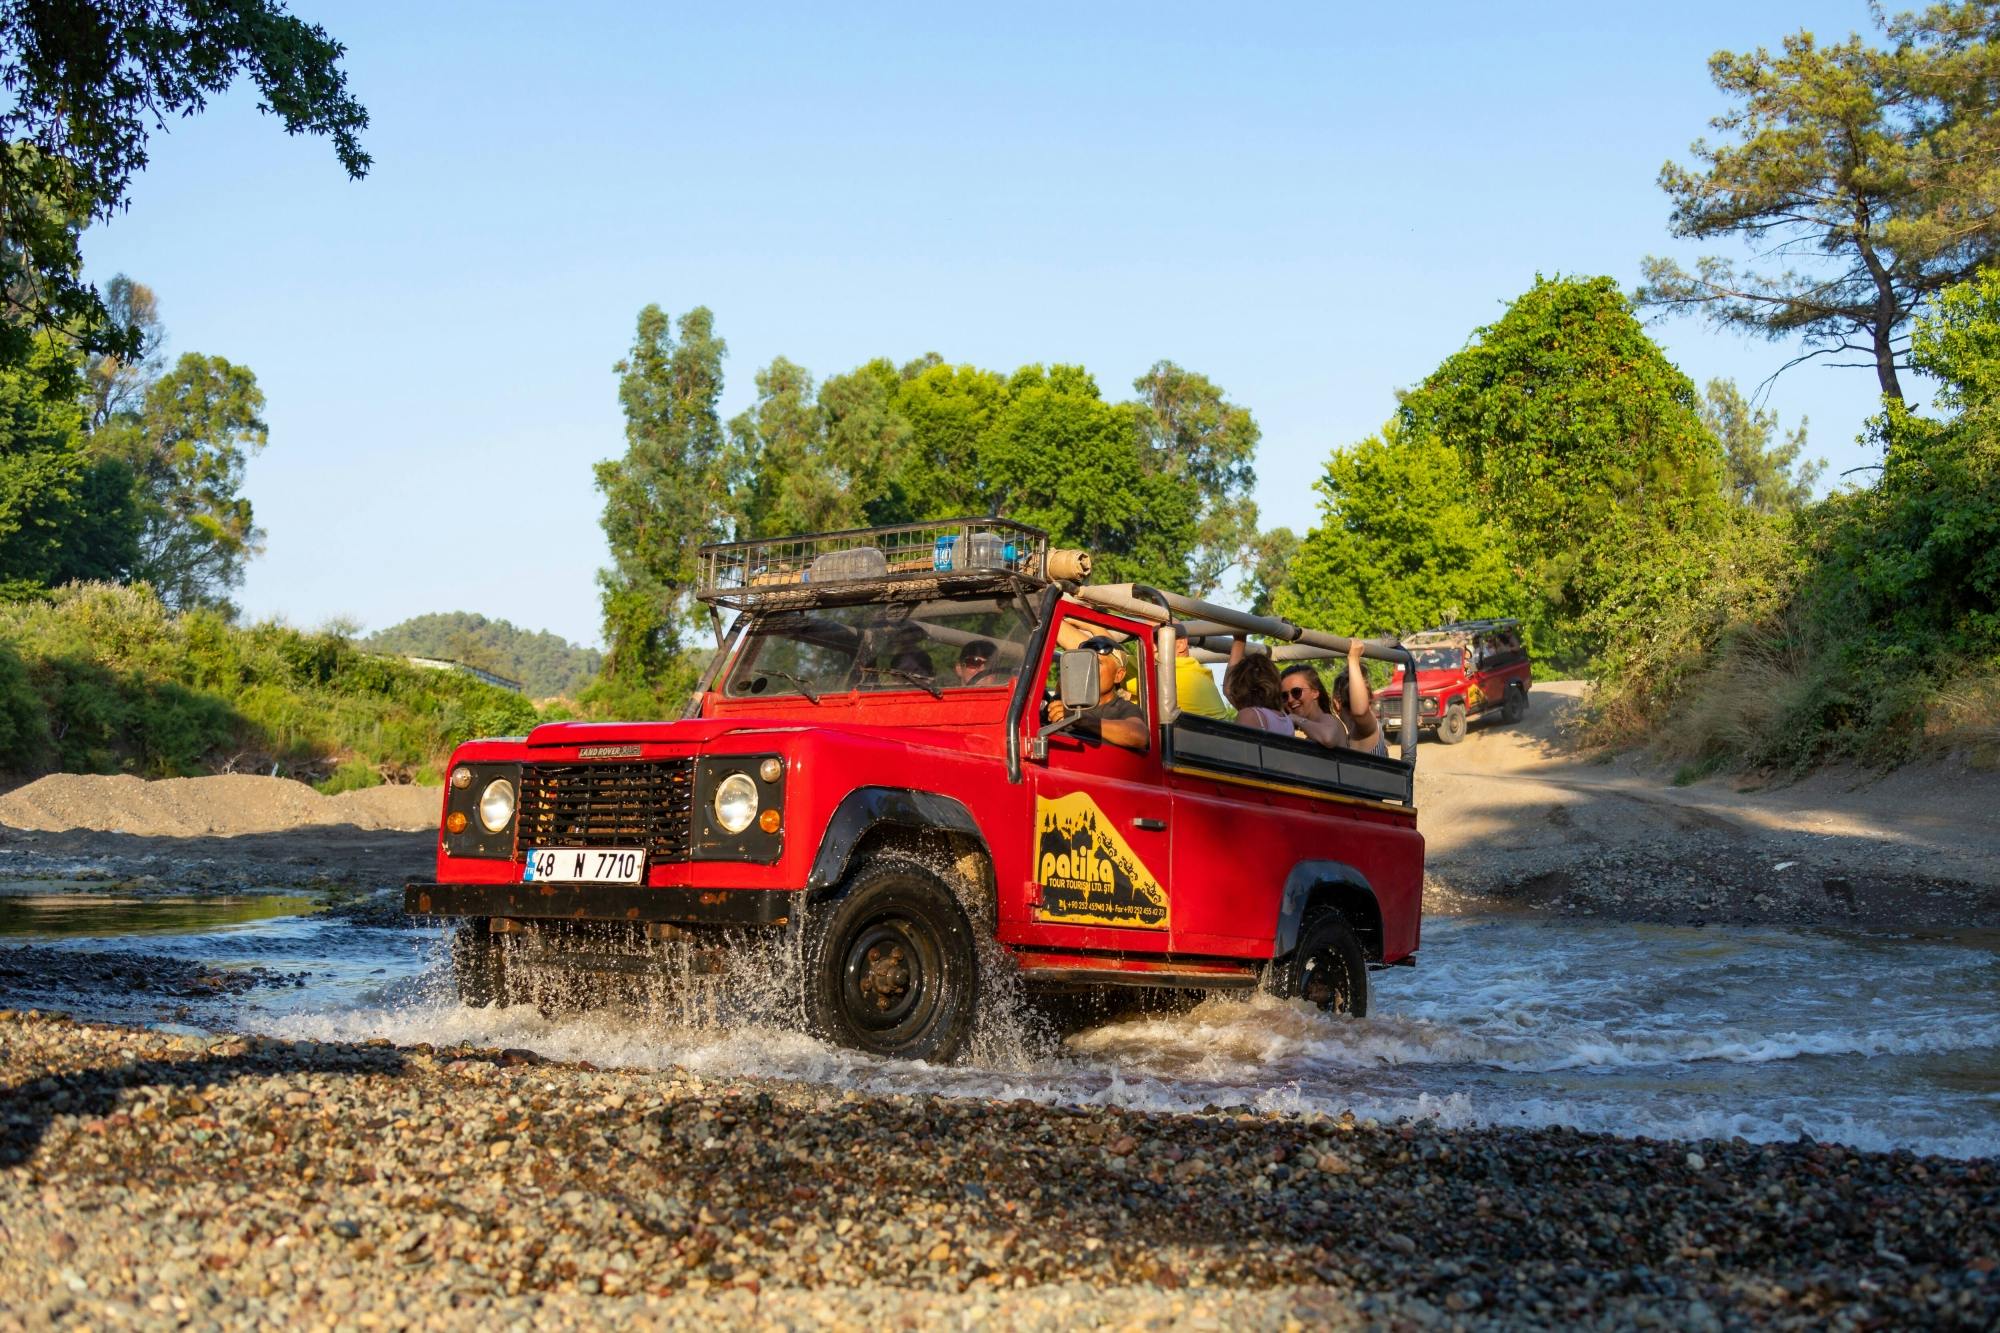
(1150, 825)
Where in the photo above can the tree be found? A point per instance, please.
(1400, 545)
(1584, 443)
(1760, 474)
(1266, 569)
(1061, 458)
(868, 438)
(667, 496)
(116, 382)
(64, 515)
(950, 411)
(1201, 440)
(782, 479)
(90, 80)
(186, 444)
(1876, 163)
(1914, 560)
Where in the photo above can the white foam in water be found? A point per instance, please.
(1655, 1032)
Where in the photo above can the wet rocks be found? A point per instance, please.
(155, 1179)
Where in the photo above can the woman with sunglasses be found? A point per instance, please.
(1347, 718)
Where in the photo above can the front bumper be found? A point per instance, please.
(604, 902)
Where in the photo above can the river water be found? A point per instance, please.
(1876, 1041)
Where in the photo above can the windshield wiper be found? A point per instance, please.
(804, 688)
(914, 679)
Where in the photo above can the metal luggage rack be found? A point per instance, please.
(1446, 632)
(796, 571)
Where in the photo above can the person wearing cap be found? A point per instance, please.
(974, 659)
(1114, 717)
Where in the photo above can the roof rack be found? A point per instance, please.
(902, 560)
(1468, 627)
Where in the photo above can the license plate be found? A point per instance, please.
(583, 865)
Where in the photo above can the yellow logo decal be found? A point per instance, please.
(1474, 696)
(1087, 872)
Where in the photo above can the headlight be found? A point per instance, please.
(735, 802)
(496, 805)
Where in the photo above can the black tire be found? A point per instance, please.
(478, 966)
(1451, 727)
(1516, 706)
(1327, 969)
(890, 965)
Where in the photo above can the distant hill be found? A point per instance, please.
(546, 664)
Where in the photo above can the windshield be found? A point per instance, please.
(1437, 659)
(952, 644)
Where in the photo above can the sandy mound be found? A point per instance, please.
(199, 807)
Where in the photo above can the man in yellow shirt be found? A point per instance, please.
(1196, 686)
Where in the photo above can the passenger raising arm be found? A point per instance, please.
(1351, 722)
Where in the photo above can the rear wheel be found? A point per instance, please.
(1516, 706)
(890, 965)
(478, 966)
(1451, 727)
(1327, 970)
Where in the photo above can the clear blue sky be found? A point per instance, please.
(1312, 205)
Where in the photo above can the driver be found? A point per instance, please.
(1114, 717)
(973, 660)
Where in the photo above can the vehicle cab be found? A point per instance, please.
(900, 753)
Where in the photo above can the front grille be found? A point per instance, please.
(609, 805)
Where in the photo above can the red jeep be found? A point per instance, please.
(868, 765)
(1464, 669)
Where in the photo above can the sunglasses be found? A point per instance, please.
(972, 661)
(1296, 692)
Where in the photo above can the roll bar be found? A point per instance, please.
(1201, 619)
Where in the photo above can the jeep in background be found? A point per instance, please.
(869, 766)
(1466, 669)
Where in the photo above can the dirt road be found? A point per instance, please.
(1522, 815)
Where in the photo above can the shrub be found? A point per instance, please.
(98, 678)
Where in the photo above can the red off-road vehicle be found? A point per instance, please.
(869, 763)
(1466, 669)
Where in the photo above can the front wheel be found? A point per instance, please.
(1327, 969)
(890, 966)
(1451, 728)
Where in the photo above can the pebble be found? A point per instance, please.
(137, 1192)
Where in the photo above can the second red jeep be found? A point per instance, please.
(1464, 670)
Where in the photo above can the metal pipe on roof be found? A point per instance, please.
(1147, 603)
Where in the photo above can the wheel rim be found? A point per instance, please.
(889, 977)
(1322, 978)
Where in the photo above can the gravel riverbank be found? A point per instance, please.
(153, 1180)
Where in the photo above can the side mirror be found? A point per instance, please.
(1076, 676)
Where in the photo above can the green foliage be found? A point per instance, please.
(1399, 547)
(1879, 160)
(186, 442)
(63, 514)
(1061, 458)
(1583, 444)
(1761, 475)
(88, 82)
(97, 678)
(1867, 625)
(664, 499)
(1203, 442)
(1157, 489)
(546, 664)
